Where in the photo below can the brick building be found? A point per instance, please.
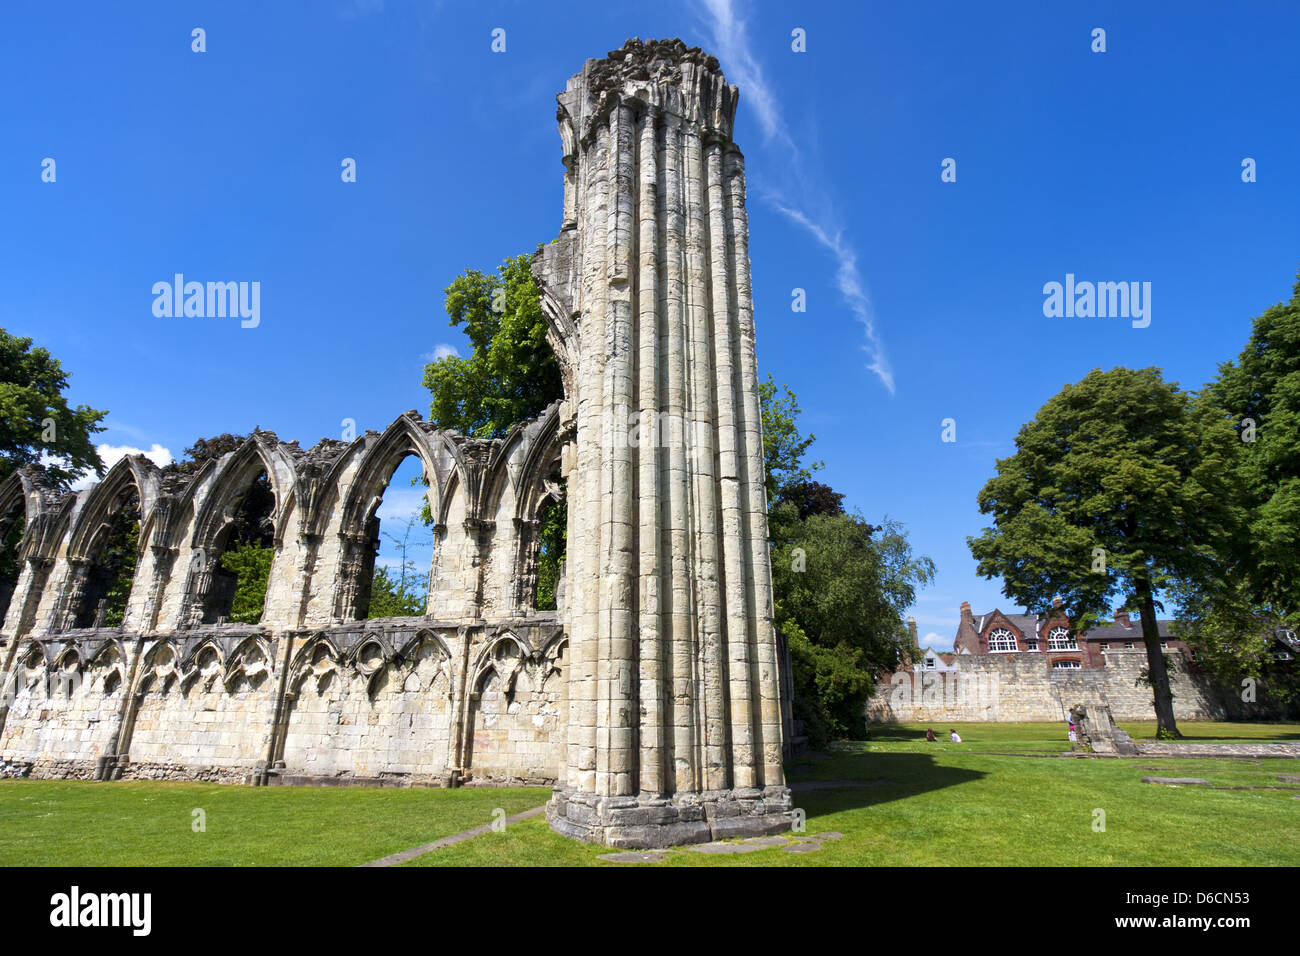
(1053, 636)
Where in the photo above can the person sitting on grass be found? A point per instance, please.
(955, 738)
(929, 735)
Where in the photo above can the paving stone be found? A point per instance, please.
(828, 835)
(635, 857)
(808, 846)
(767, 841)
(726, 848)
(1177, 781)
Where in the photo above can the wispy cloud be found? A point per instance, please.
(803, 191)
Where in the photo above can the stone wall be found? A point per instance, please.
(475, 689)
(1021, 687)
(393, 701)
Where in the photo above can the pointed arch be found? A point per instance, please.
(105, 497)
(231, 477)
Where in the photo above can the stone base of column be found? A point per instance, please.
(641, 823)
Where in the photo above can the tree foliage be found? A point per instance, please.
(36, 420)
(812, 498)
(407, 593)
(395, 597)
(510, 374)
(784, 446)
(1119, 486)
(841, 595)
(118, 557)
(553, 535)
(250, 562)
(202, 451)
(1261, 394)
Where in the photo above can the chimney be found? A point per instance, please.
(911, 630)
(1056, 604)
(1121, 617)
(966, 618)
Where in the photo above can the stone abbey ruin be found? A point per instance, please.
(650, 699)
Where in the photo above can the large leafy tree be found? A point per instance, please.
(1229, 621)
(1119, 486)
(35, 418)
(841, 593)
(1261, 392)
(510, 374)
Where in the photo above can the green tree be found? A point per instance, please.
(553, 536)
(784, 445)
(118, 559)
(393, 597)
(250, 562)
(407, 594)
(1232, 638)
(1261, 394)
(1120, 485)
(841, 595)
(510, 374)
(35, 419)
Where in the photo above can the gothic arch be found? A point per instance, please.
(406, 436)
(492, 660)
(224, 484)
(231, 479)
(104, 497)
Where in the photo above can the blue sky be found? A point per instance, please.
(925, 298)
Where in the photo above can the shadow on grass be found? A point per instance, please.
(847, 781)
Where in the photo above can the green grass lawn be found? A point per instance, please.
(1002, 797)
(1052, 736)
(71, 823)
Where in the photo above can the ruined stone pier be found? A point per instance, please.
(675, 718)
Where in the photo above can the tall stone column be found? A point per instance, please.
(675, 720)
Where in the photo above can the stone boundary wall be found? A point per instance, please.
(1021, 687)
(397, 701)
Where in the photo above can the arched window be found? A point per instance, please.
(244, 550)
(397, 561)
(1001, 640)
(552, 527)
(12, 526)
(111, 569)
(1060, 639)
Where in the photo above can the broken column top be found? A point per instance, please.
(682, 81)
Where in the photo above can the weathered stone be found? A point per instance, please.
(632, 857)
(807, 846)
(767, 841)
(726, 848)
(651, 700)
(675, 689)
(1177, 781)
